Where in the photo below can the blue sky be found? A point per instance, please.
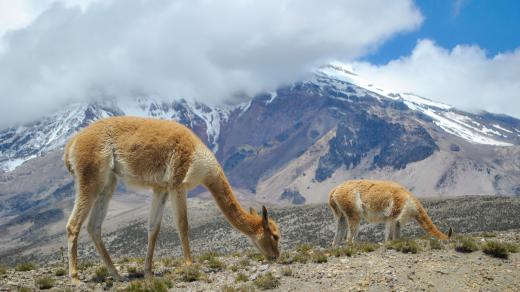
(492, 25)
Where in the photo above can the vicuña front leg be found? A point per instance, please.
(154, 225)
(180, 209)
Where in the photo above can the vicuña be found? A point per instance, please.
(164, 156)
(378, 202)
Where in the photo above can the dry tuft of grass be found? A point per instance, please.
(466, 245)
(243, 288)
(171, 262)
(60, 272)
(255, 256)
(435, 244)
(319, 257)
(512, 247)
(149, 285)
(100, 274)
(241, 277)
(190, 273)
(404, 245)
(83, 265)
(287, 272)
(216, 264)
(496, 249)
(44, 283)
(266, 281)
(24, 267)
(488, 234)
(3, 270)
(285, 259)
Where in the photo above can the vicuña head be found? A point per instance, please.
(164, 156)
(266, 239)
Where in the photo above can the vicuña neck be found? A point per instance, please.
(242, 220)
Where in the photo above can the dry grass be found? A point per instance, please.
(404, 245)
(466, 245)
(496, 249)
(150, 285)
(266, 281)
(44, 283)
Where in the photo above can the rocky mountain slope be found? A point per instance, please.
(290, 146)
(225, 260)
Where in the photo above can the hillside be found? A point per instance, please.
(227, 261)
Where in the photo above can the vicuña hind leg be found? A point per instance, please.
(353, 228)
(79, 213)
(389, 230)
(154, 225)
(180, 210)
(341, 228)
(397, 230)
(97, 215)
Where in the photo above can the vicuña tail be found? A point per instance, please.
(426, 223)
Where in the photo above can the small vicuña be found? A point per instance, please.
(378, 202)
(164, 156)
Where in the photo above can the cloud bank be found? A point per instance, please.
(463, 77)
(202, 49)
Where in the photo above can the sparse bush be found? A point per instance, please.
(304, 248)
(208, 256)
(287, 272)
(241, 277)
(266, 281)
(255, 256)
(171, 262)
(466, 245)
(189, 273)
(496, 249)
(100, 274)
(302, 258)
(435, 244)
(319, 257)
(24, 267)
(404, 245)
(285, 259)
(150, 285)
(44, 283)
(83, 265)
(60, 272)
(512, 247)
(488, 234)
(215, 264)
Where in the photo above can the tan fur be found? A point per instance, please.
(377, 202)
(164, 156)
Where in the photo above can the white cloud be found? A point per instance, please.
(204, 49)
(463, 77)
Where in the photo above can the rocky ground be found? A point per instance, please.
(421, 265)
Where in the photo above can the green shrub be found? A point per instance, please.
(44, 283)
(496, 249)
(24, 267)
(190, 273)
(100, 274)
(435, 244)
(466, 245)
(319, 257)
(60, 272)
(241, 277)
(404, 245)
(266, 281)
(149, 285)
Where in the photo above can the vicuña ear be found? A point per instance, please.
(265, 217)
(252, 211)
(450, 232)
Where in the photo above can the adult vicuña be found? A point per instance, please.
(162, 155)
(378, 202)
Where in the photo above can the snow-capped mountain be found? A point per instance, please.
(22, 143)
(357, 125)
